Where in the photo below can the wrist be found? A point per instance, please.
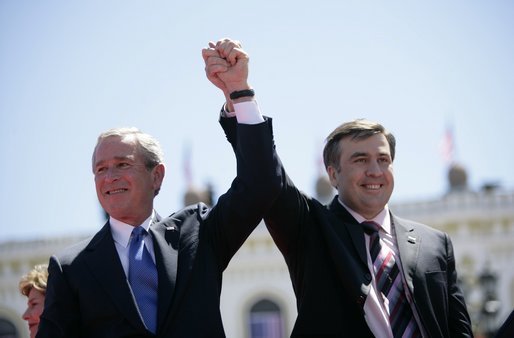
(229, 106)
(237, 86)
(242, 99)
(226, 112)
(246, 95)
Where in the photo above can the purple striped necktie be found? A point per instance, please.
(389, 282)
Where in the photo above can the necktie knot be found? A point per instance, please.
(138, 232)
(370, 227)
(137, 243)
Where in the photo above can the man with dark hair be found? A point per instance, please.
(357, 269)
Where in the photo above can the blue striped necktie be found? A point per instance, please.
(389, 283)
(143, 278)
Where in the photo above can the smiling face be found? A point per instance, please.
(35, 305)
(364, 177)
(124, 185)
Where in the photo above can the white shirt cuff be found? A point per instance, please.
(248, 112)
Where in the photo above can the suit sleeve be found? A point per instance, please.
(251, 193)
(459, 321)
(285, 216)
(60, 317)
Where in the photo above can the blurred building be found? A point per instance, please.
(481, 226)
(257, 298)
(16, 259)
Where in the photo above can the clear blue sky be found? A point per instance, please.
(71, 69)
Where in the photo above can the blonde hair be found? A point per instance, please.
(36, 279)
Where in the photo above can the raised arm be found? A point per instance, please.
(289, 210)
(258, 180)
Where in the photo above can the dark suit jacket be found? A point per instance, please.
(88, 294)
(325, 252)
(507, 328)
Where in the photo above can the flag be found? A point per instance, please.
(447, 146)
(186, 162)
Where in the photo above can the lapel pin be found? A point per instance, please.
(411, 239)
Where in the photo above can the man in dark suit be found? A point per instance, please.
(92, 291)
(357, 269)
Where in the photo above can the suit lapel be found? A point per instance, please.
(103, 261)
(408, 246)
(350, 225)
(165, 239)
(345, 239)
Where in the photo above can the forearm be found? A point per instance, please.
(283, 217)
(253, 190)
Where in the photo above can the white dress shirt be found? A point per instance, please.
(121, 233)
(376, 310)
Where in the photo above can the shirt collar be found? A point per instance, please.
(383, 218)
(121, 232)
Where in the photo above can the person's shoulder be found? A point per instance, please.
(199, 208)
(71, 252)
(420, 227)
(186, 221)
(188, 216)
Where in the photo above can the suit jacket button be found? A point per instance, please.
(361, 300)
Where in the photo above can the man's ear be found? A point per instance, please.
(158, 175)
(332, 175)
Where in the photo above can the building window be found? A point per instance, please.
(7, 329)
(265, 320)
